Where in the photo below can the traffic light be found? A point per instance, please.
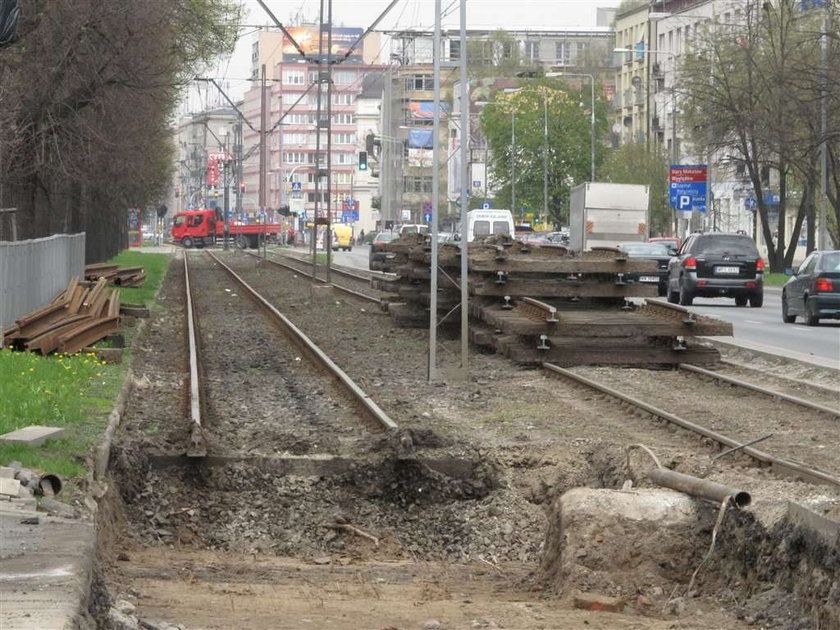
(242, 188)
(363, 161)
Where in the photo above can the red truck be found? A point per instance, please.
(197, 228)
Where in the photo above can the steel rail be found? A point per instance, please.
(198, 443)
(783, 466)
(797, 382)
(358, 294)
(366, 402)
(762, 390)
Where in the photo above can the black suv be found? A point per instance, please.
(717, 265)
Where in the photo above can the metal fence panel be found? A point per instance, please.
(33, 272)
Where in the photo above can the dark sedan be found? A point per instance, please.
(650, 251)
(813, 292)
(378, 255)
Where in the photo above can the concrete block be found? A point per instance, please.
(9, 487)
(594, 601)
(33, 435)
(603, 540)
(7, 473)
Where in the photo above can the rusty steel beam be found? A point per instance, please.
(197, 446)
(696, 487)
(87, 333)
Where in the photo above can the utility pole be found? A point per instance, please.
(433, 291)
(226, 181)
(465, 142)
(263, 148)
(822, 242)
(328, 229)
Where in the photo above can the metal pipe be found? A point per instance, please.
(696, 487)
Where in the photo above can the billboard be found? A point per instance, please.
(425, 110)
(307, 39)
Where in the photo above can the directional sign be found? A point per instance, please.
(485, 205)
(687, 187)
(296, 186)
(427, 217)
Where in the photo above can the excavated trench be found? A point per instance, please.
(427, 522)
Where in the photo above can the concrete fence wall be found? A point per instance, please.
(33, 272)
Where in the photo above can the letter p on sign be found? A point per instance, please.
(684, 202)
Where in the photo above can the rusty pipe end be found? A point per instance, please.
(741, 499)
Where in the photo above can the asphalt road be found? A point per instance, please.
(764, 325)
(754, 325)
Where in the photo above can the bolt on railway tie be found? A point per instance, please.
(778, 465)
(319, 356)
(197, 446)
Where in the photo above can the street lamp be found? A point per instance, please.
(545, 144)
(552, 75)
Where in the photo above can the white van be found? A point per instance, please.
(487, 222)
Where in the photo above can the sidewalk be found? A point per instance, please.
(45, 570)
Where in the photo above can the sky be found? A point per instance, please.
(407, 14)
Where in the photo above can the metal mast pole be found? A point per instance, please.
(432, 367)
(592, 128)
(465, 141)
(328, 232)
(545, 157)
(263, 150)
(318, 169)
(512, 159)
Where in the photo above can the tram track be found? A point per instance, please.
(743, 421)
(287, 372)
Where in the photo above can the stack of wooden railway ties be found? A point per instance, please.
(85, 312)
(542, 303)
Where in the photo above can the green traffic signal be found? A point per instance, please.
(363, 165)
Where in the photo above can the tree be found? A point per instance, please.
(496, 55)
(86, 98)
(752, 101)
(635, 163)
(568, 147)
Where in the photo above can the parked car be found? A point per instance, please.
(414, 229)
(717, 264)
(813, 292)
(671, 242)
(377, 253)
(649, 251)
(342, 237)
(446, 237)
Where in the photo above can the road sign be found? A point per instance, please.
(427, 206)
(485, 205)
(427, 217)
(297, 186)
(476, 183)
(687, 187)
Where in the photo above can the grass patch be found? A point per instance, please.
(55, 390)
(775, 279)
(155, 266)
(74, 392)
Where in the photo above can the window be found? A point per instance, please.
(417, 184)
(454, 50)
(315, 158)
(344, 77)
(342, 158)
(562, 52)
(299, 119)
(343, 119)
(195, 220)
(293, 77)
(294, 157)
(532, 50)
(179, 220)
(342, 99)
(323, 197)
(580, 51)
(290, 98)
(420, 83)
(295, 138)
(344, 138)
(341, 178)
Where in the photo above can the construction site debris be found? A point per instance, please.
(116, 275)
(81, 315)
(536, 303)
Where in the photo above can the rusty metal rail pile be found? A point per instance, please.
(114, 274)
(536, 304)
(82, 314)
